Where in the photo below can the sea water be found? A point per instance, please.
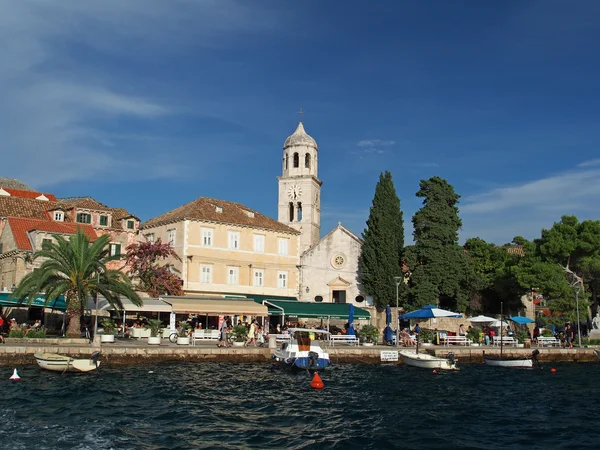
(225, 405)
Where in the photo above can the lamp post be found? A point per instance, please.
(398, 280)
(96, 304)
(578, 322)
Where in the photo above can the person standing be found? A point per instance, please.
(224, 333)
(251, 334)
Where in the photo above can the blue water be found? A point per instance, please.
(210, 405)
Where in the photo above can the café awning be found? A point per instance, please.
(149, 304)
(314, 310)
(216, 306)
(58, 304)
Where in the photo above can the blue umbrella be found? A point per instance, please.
(521, 320)
(388, 333)
(350, 330)
(429, 312)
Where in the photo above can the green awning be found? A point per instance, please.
(260, 298)
(40, 300)
(313, 310)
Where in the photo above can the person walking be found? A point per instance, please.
(224, 338)
(251, 334)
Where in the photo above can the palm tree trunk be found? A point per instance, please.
(74, 317)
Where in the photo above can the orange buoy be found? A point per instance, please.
(553, 370)
(316, 382)
(434, 371)
(15, 376)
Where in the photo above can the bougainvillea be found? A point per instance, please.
(150, 275)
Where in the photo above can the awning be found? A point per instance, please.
(216, 307)
(260, 298)
(149, 305)
(40, 300)
(314, 310)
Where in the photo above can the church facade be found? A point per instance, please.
(328, 269)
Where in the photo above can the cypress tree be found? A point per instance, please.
(383, 244)
(439, 267)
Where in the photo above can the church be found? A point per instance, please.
(328, 270)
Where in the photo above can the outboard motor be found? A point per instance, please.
(534, 357)
(313, 358)
(451, 358)
(94, 358)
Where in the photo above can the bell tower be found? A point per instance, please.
(299, 187)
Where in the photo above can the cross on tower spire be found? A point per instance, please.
(300, 113)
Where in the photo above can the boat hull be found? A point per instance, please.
(303, 364)
(526, 363)
(427, 361)
(60, 363)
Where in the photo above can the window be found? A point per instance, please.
(84, 218)
(233, 275)
(207, 237)
(259, 243)
(359, 299)
(59, 216)
(319, 298)
(104, 221)
(0, 247)
(234, 240)
(286, 162)
(115, 249)
(296, 160)
(299, 211)
(46, 242)
(150, 237)
(206, 274)
(283, 246)
(259, 277)
(291, 212)
(307, 161)
(282, 280)
(171, 234)
(130, 224)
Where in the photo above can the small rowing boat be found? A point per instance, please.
(62, 363)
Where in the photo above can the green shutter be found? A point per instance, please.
(0, 247)
(103, 221)
(130, 224)
(117, 249)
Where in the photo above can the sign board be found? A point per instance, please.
(389, 355)
(172, 326)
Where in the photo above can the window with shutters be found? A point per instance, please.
(115, 249)
(281, 280)
(259, 243)
(130, 224)
(206, 273)
(207, 237)
(104, 221)
(171, 234)
(84, 218)
(234, 240)
(59, 216)
(150, 237)
(46, 242)
(259, 277)
(283, 246)
(233, 275)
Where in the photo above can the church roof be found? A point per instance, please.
(220, 211)
(300, 137)
(324, 238)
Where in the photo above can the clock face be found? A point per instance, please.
(294, 192)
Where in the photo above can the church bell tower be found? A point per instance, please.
(299, 187)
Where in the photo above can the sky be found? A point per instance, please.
(149, 104)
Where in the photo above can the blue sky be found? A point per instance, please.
(149, 104)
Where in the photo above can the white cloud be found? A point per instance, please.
(524, 209)
(59, 99)
(375, 143)
(590, 163)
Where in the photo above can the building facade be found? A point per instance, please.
(228, 249)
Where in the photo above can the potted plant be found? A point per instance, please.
(155, 327)
(239, 334)
(475, 335)
(183, 333)
(521, 337)
(368, 335)
(109, 330)
(426, 337)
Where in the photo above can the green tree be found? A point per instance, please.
(383, 245)
(439, 266)
(76, 268)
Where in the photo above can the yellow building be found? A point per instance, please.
(229, 249)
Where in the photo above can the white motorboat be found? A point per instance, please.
(300, 351)
(427, 361)
(517, 363)
(62, 363)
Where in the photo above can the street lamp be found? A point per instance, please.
(398, 280)
(578, 321)
(96, 302)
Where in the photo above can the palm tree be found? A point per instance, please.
(76, 268)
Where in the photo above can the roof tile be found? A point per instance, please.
(20, 228)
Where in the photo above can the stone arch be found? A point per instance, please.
(307, 161)
(299, 213)
(291, 207)
(296, 160)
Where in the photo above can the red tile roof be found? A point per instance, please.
(25, 207)
(204, 208)
(29, 194)
(20, 228)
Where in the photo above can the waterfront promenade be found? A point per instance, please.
(132, 351)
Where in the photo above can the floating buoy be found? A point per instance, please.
(553, 370)
(434, 371)
(316, 382)
(15, 376)
(151, 371)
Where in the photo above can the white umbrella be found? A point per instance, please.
(482, 319)
(497, 323)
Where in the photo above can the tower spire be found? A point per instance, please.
(300, 113)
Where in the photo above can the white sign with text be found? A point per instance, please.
(389, 355)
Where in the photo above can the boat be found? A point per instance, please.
(299, 351)
(516, 362)
(62, 363)
(427, 361)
